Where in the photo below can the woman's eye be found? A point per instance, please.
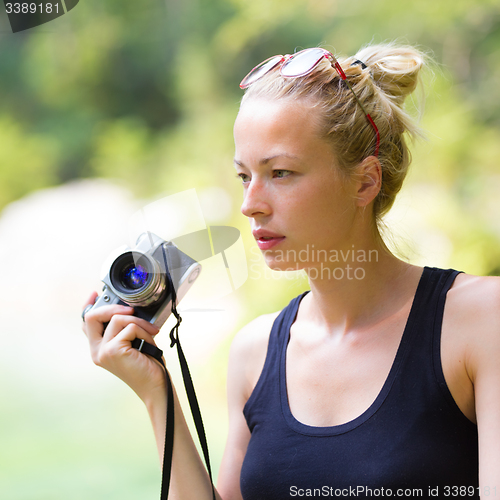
(243, 177)
(281, 173)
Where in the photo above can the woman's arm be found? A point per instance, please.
(114, 352)
(485, 374)
(189, 478)
(246, 360)
(477, 323)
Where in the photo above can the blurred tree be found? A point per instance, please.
(146, 92)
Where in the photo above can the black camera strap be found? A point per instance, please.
(157, 354)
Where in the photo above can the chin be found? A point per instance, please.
(276, 264)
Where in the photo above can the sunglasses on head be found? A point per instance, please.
(301, 64)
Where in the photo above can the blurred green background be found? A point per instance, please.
(132, 100)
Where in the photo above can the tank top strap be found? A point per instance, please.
(436, 283)
(426, 317)
(421, 342)
(283, 323)
(267, 384)
(446, 281)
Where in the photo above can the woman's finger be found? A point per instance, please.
(131, 332)
(90, 300)
(141, 372)
(88, 305)
(96, 318)
(118, 322)
(113, 354)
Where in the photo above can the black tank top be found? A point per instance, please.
(413, 436)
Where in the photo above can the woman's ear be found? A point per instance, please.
(368, 180)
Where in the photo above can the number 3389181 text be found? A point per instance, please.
(32, 8)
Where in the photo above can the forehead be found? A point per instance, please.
(276, 126)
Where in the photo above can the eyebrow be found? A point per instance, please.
(267, 159)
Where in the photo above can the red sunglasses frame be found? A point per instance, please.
(283, 61)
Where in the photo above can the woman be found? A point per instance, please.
(384, 379)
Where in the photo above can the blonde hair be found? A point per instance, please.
(391, 74)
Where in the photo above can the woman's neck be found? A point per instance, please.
(362, 285)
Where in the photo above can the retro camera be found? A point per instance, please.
(139, 277)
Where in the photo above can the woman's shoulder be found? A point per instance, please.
(253, 338)
(476, 295)
(473, 304)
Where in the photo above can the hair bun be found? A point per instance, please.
(395, 69)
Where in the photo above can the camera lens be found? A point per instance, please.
(134, 277)
(131, 272)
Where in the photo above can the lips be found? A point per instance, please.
(267, 239)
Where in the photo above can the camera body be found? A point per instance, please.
(138, 277)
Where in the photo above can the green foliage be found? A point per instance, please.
(146, 92)
(26, 163)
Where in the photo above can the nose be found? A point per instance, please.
(255, 201)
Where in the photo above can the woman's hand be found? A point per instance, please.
(111, 348)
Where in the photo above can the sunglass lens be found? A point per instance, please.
(260, 71)
(302, 62)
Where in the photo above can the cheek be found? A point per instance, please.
(326, 212)
(327, 199)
